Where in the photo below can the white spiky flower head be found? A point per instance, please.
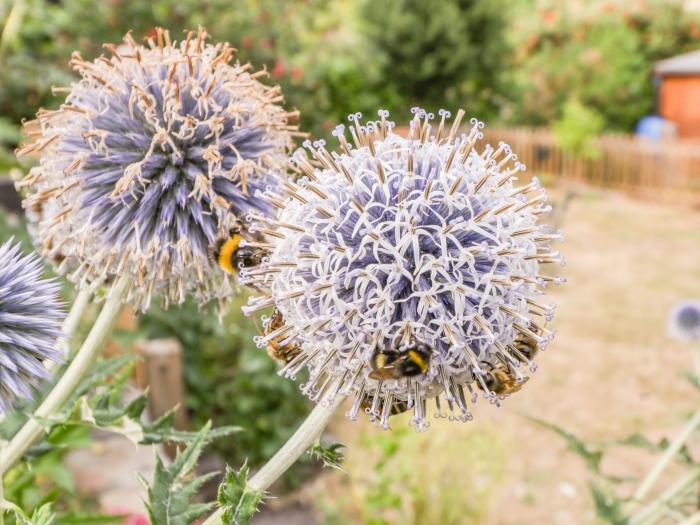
(684, 321)
(31, 313)
(421, 238)
(157, 150)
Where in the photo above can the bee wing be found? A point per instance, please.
(258, 327)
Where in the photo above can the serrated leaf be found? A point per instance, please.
(330, 456)
(591, 455)
(170, 494)
(237, 499)
(162, 430)
(123, 425)
(641, 441)
(104, 370)
(41, 516)
(608, 506)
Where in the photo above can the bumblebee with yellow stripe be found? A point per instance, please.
(283, 353)
(501, 381)
(228, 253)
(397, 364)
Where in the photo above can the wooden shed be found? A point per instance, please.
(678, 81)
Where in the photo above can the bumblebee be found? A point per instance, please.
(284, 353)
(501, 381)
(229, 255)
(526, 346)
(396, 364)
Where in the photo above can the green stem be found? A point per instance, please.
(651, 513)
(305, 436)
(70, 324)
(664, 460)
(76, 371)
(12, 24)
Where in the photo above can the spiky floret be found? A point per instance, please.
(423, 238)
(684, 321)
(155, 151)
(30, 324)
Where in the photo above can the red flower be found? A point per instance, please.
(279, 70)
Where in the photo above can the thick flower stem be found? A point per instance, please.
(70, 324)
(305, 436)
(76, 371)
(664, 460)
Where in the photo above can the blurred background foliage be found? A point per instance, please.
(517, 62)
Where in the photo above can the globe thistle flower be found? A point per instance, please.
(398, 242)
(156, 150)
(30, 324)
(684, 321)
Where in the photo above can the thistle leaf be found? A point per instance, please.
(590, 454)
(162, 430)
(170, 495)
(330, 455)
(41, 516)
(608, 506)
(237, 499)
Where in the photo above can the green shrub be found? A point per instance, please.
(577, 129)
(441, 53)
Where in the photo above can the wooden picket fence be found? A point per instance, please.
(663, 171)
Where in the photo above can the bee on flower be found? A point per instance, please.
(157, 150)
(407, 270)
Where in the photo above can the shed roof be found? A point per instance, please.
(685, 64)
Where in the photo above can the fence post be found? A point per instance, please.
(162, 374)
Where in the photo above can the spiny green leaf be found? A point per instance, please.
(591, 455)
(104, 370)
(330, 456)
(237, 499)
(170, 494)
(41, 516)
(608, 506)
(641, 441)
(162, 430)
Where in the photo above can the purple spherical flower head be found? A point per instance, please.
(404, 243)
(156, 151)
(684, 321)
(30, 324)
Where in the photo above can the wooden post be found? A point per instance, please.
(162, 374)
